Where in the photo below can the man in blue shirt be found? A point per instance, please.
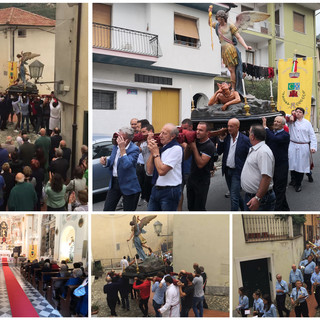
(307, 251)
(281, 292)
(158, 297)
(315, 280)
(309, 267)
(298, 299)
(295, 275)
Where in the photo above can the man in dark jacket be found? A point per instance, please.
(235, 147)
(278, 141)
(26, 151)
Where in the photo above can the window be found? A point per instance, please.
(117, 246)
(22, 33)
(298, 22)
(152, 79)
(186, 31)
(104, 100)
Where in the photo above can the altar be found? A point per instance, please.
(5, 253)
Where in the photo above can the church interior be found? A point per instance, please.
(44, 260)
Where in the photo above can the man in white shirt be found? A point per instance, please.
(166, 165)
(124, 263)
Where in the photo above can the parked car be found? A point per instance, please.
(101, 147)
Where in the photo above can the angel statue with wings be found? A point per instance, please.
(23, 57)
(229, 36)
(137, 226)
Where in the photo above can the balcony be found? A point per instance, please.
(259, 228)
(124, 46)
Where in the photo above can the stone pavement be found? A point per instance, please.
(218, 305)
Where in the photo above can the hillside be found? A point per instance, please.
(44, 9)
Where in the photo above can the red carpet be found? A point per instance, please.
(19, 302)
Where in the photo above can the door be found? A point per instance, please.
(101, 37)
(255, 275)
(165, 108)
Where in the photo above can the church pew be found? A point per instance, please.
(65, 302)
(49, 292)
(41, 282)
(34, 281)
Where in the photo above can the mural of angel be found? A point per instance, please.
(229, 36)
(23, 58)
(137, 226)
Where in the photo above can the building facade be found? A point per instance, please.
(71, 67)
(21, 30)
(263, 246)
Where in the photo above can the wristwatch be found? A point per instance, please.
(156, 156)
(259, 199)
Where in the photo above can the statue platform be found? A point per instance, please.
(149, 267)
(213, 114)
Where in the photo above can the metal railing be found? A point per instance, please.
(125, 40)
(264, 228)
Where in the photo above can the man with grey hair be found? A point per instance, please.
(278, 141)
(122, 168)
(59, 164)
(166, 165)
(257, 173)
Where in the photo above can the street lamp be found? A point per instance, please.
(35, 71)
(158, 229)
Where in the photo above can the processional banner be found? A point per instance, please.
(13, 73)
(32, 252)
(295, 85)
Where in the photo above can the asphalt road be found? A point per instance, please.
(306, 200)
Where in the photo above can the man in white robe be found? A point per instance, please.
(303, 143)
(172, 305)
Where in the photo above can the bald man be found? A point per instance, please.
(167, 164)
(235, 147)
(278, 141)
(22, 196)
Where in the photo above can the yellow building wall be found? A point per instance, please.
(282, 253)
(108, 230)
(37, 40)
(203, 239)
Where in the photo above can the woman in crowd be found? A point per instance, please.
(243, 302)
(55, 190)
(269, 308)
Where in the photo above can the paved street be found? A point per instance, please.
(218, 305)
(306, 200)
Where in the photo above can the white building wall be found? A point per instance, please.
(158, 18)
(120, 78)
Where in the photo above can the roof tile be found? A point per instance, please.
(19, 17)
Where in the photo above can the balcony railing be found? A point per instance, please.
(125, 40)
(267, 228)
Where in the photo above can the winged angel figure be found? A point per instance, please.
(229, 36)
(23, 58)
(137, 226)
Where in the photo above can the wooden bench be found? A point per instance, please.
(42, 282)
(65, 302)
(49, 293)
(34, 281)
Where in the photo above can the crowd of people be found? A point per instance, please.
(35, 175)
(173, 295)
(77, 276)
(157, 168)
(303, 284)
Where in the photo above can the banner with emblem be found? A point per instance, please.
(32, 252)
(295, 85)
(12, 72)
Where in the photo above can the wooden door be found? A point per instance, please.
(165, 108)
